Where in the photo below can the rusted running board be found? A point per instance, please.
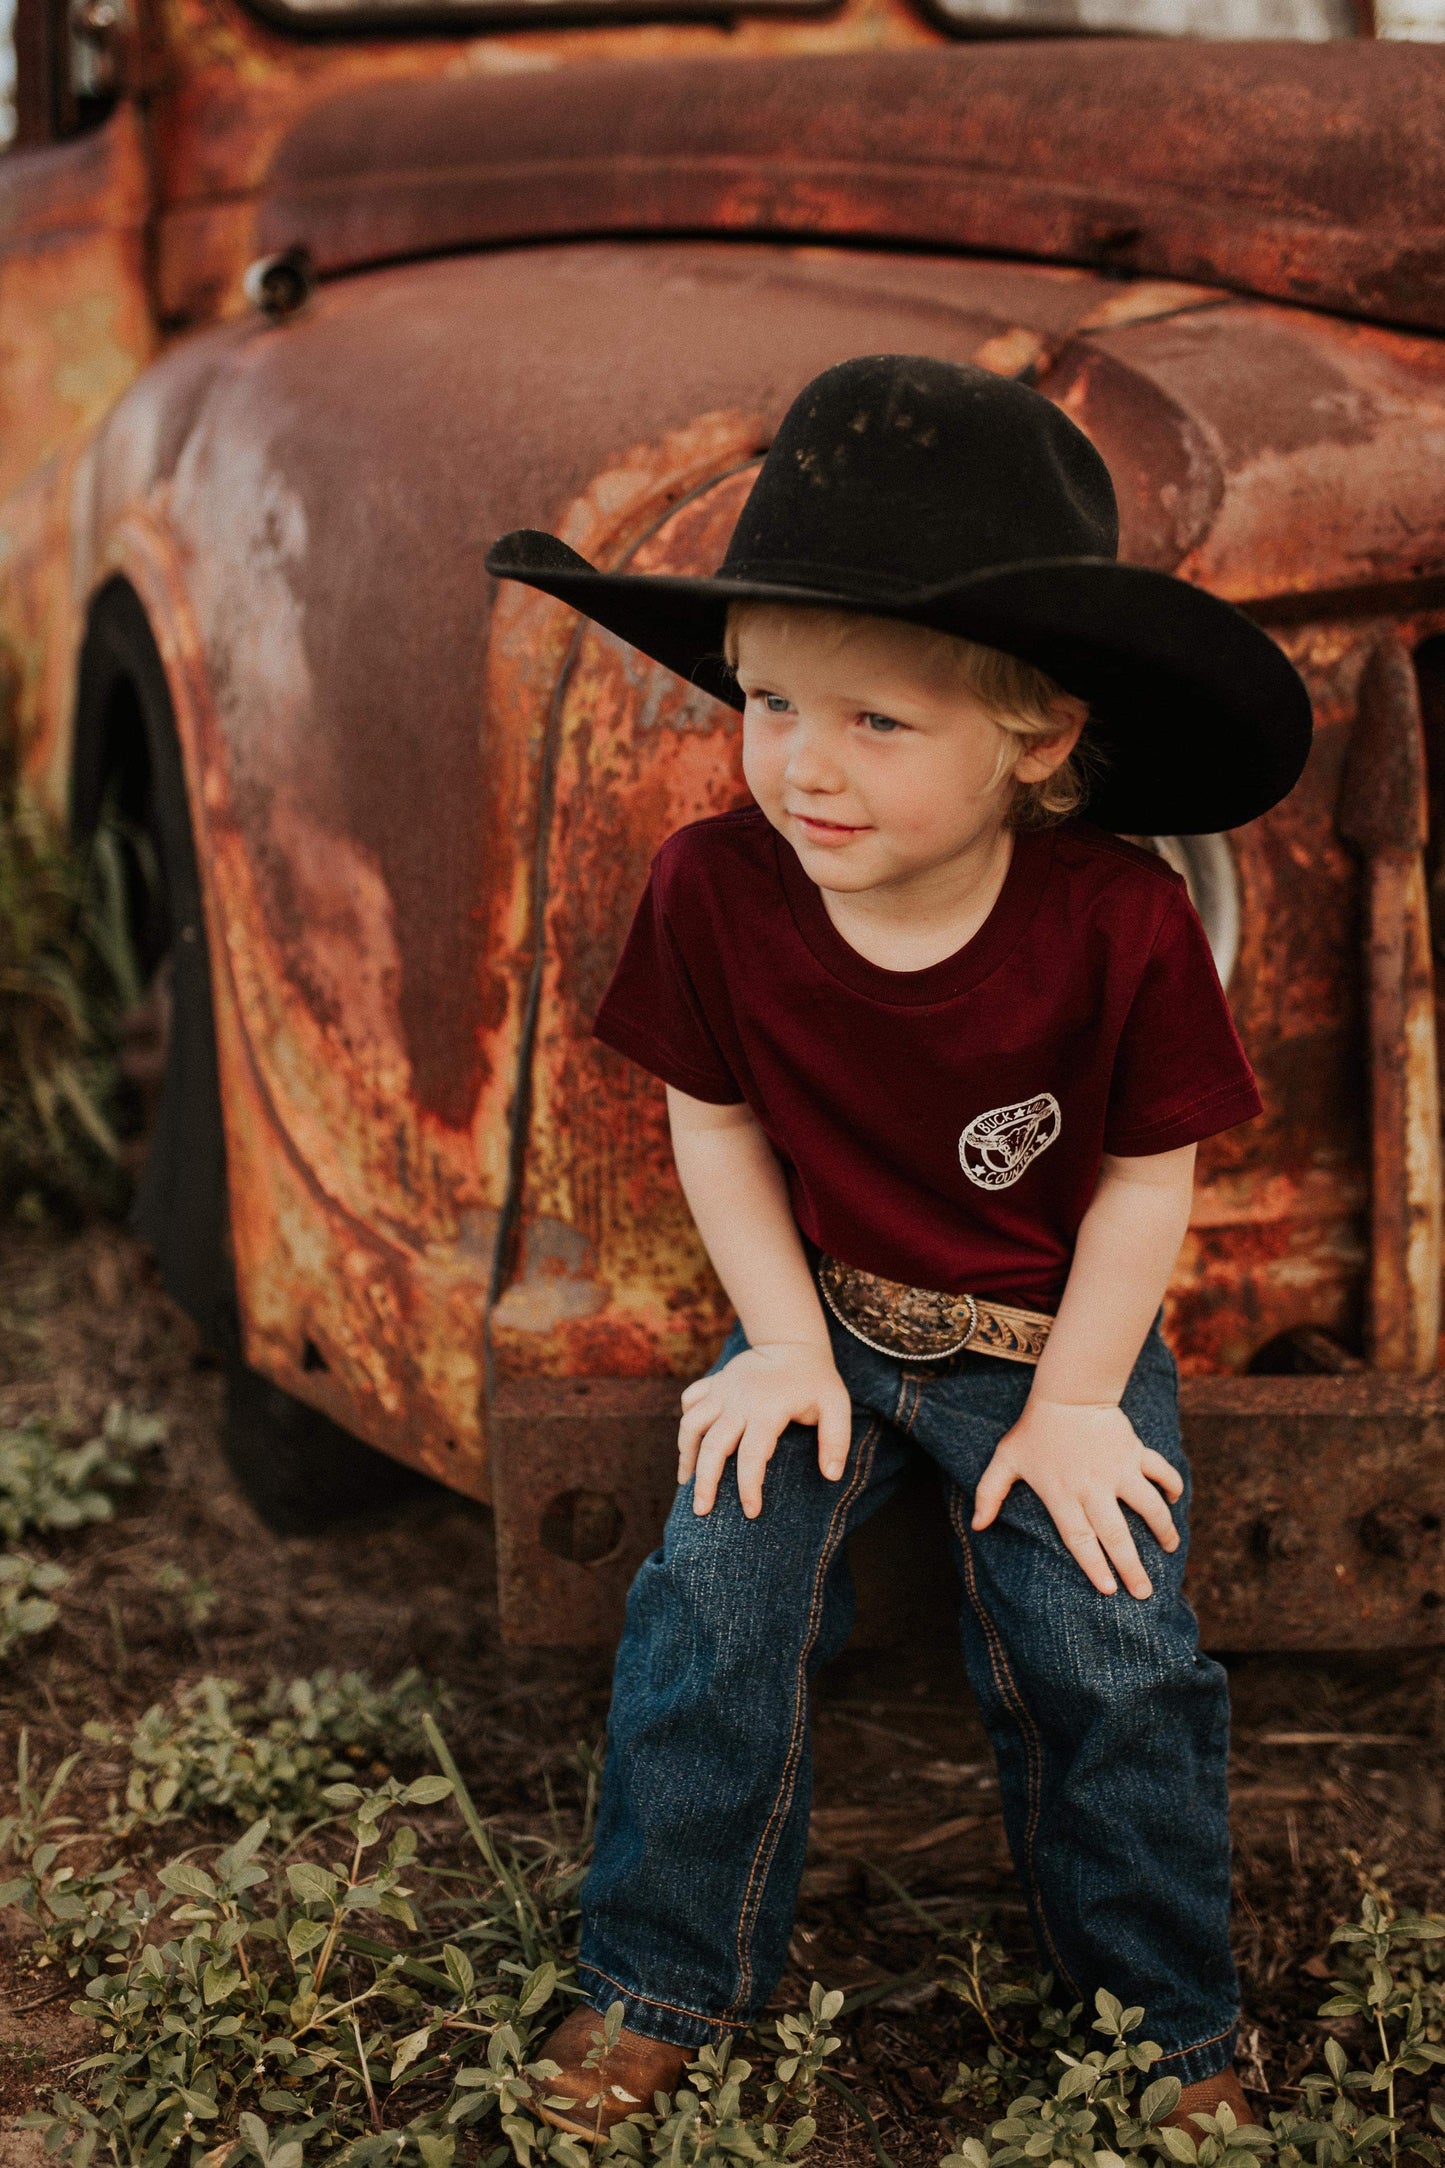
(1317, 1512)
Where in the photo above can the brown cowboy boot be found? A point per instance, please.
(614, 2085)
(1206, 2097)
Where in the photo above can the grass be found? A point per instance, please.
(67, 977)
(348, 1999)
(214, 1747)
(48, 1487)
(1337, 1767)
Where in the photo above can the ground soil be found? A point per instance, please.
(1337, 1769)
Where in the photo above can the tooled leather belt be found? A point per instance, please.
(919, 1324)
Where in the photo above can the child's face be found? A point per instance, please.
(864, 748)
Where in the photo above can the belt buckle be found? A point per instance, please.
(857, 1298)
(940, 1364)
(944, 1364)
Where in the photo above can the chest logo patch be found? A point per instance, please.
(997, 1147)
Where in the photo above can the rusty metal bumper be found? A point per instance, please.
(1318, 1508)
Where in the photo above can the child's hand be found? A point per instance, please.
(745, 1407)
(1081, 1461)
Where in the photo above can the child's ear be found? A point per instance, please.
(1043, 754)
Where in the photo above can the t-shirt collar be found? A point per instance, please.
(1014, 907)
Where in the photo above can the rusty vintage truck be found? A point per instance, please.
(300, 306)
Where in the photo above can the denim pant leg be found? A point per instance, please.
(702, 1825)
(1110, 1727)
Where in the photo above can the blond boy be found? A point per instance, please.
(938, 1054)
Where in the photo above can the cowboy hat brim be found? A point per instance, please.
(1202, 723)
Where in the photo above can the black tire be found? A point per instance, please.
(301, 1472)
(126, 745)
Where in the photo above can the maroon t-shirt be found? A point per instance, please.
(942, 1127)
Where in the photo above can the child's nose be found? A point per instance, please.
(811, 764)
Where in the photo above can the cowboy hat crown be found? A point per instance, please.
(904, 471)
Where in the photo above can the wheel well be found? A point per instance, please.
(127, 771)
(301, 1470)
(112, 752)
(113, 771)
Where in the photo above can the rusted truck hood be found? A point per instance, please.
(331, 487)
(1306, 174)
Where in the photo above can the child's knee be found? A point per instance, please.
(1125, 1662)
(732, 1583)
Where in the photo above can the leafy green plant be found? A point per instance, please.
(28, 1588)
(1392, 1983)
(709, 2117)
(974, 1970)
(190, 1597)
(1089, 2107)
(353, 2004)
(347, 2002)
(1067, 2102)
(234, 1992)
(217, 1749)
(81, 1914)
(48, 1488)
(67, 975)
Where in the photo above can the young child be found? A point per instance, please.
(937, 1058)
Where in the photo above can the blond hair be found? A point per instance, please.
(1022, 702)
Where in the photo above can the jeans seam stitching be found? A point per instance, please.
(1009, 1689)
(1173, 2055)
(655, 2002)
(778, 1813)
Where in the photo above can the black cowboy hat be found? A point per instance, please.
(905, 487)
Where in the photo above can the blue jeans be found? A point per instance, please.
(1110, 1728)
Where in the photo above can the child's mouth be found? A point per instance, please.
(827, 831)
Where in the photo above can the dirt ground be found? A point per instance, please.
(1337, 1767)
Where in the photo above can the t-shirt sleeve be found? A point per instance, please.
(1180, 1072)
(651, 1011)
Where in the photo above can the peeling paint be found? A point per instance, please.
(556, 1282)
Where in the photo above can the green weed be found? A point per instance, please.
(353, 2005)
(28, 1588)
(1096, 2107)
(191, 1598)
(81, 1914)
(48, 1488)
(217, 1750)
(67, 975)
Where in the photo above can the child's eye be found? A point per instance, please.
(775, 703)
(881, 725)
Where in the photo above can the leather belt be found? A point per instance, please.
(920, 1324)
